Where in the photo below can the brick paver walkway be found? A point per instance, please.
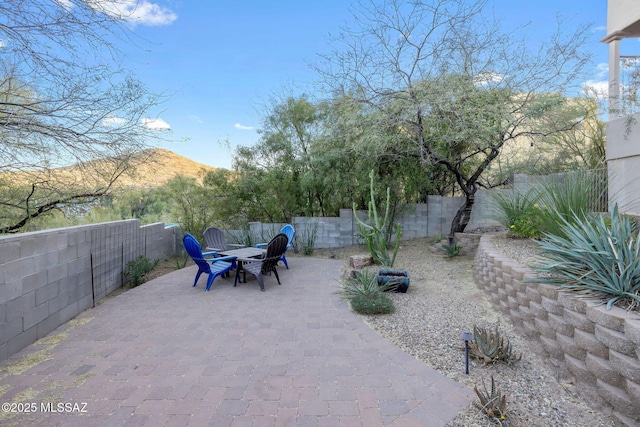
(168, 354)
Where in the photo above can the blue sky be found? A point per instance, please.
(221, 61)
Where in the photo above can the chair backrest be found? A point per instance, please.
(214, 237)
(193, 248)
(290, 232)
(276, 247)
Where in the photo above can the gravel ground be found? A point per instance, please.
(441, 303)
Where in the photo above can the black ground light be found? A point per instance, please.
(466, 336)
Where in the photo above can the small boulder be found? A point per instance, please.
(359, 261)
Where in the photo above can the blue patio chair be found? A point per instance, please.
(290, 232)
(214, 266)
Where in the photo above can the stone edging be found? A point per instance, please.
(597, 348)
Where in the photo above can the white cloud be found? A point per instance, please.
(242, 127)
(196, 118)
(113, 121)
(488, 78)
(603, 69)
(156, 124)
(65, 4)
(135, 11)
(599, 88)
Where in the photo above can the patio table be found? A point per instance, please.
(244, 253)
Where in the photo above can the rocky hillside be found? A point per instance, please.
(159, 166)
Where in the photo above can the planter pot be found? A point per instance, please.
(399, 277)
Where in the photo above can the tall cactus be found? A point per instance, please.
(375, 231)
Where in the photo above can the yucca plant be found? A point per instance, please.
(491, 347)
(364, 283)
(570, 198)
(493, 402)
(597, 256)
(366, 295)
(517, 211)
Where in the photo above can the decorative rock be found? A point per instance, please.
(359, 261)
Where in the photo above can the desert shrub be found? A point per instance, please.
(569, 198)
(378, 304)
(308, 237)
(138, 268)
(519, 212)
(181, 260)
(365, 295)
(597, 256)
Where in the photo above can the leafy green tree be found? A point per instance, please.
(452, 82)
(279, 175)
(147, 204)
(191, 205)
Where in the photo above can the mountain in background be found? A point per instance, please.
(159, 167)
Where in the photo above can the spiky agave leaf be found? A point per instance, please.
(594, 258)
(491, 347)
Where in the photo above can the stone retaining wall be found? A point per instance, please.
(597, 348)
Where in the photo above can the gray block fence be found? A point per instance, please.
(417, 220)
(48, 277)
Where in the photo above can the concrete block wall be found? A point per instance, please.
(598, 349)
(161, 242)
(417, 220)
(48, 277)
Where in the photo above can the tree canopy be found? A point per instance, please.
(66, 98)
(453, 83)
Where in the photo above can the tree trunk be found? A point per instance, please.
(462, 217)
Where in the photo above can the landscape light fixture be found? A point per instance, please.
(466, 336)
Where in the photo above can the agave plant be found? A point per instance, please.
(597, 257)
(451, 250)
(491, 347)
(493, 403)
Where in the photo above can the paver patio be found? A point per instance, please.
(166, 354)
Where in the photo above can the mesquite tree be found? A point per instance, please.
(452, 81)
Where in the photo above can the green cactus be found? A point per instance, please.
(375, 230)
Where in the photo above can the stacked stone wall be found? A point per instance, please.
(595, 347)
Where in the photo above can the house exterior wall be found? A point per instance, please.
(623, 160)
(623, 135)
(623, 15)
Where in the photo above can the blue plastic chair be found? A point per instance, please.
(214, 267)
(290, 232)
